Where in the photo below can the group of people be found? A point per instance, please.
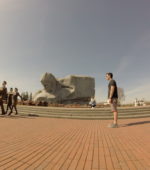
(42, 103)
(139, 102)
(11, 98)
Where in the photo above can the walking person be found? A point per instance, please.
(112, 98)
(10, 100)
(3, 96)
(15, 101)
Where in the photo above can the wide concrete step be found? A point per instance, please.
(83, 113)
(86, 108)
(87, 117)
(50, 110)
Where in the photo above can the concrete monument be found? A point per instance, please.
(68, 90)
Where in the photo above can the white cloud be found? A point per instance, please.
(101, 94)
(140, 92)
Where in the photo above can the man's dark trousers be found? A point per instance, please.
(2, 106)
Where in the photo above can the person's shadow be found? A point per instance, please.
(135, 123)
(28, 116)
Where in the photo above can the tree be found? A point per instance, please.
(121, 95)
(25, 96)
(30, 97)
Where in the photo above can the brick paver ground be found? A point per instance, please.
(66, 144)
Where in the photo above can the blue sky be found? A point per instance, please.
(80, 37)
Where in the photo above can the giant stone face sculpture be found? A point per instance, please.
(68, 90)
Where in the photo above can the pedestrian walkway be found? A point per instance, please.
(70, 144)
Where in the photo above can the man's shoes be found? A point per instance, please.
(113, 125)
(9, 113)
(3, 113)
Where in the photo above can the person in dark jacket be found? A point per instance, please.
(15, 96)
(9, 100)
(3, 96)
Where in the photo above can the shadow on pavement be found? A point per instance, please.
(29, 116)
(135, 123)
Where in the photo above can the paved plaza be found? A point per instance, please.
(70, 144)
